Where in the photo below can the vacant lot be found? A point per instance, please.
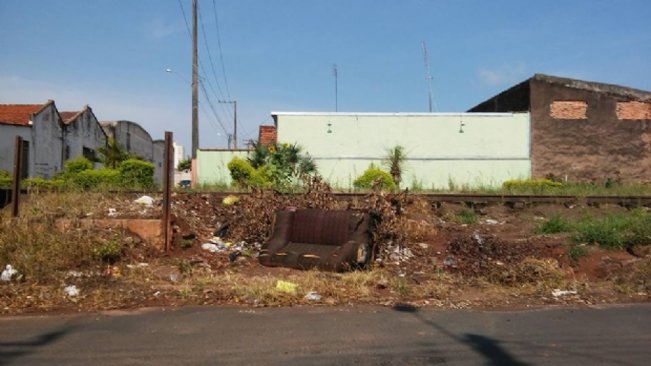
(445, 255)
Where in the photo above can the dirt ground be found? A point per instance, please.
(429, 255)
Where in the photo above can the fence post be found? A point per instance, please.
(167, 182)
(15, 188)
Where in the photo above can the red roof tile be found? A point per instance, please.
(18, 114)
(68, 117)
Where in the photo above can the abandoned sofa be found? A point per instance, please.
(326, 239)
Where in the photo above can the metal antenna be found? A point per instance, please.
(336, 75)
(428, 76)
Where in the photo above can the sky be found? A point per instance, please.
(278, 55)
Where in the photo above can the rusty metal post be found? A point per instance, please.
(15, 188)
(167, 188)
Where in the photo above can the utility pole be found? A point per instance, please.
(336, 75)
(428, 76)
(234, 102)
(195, 83)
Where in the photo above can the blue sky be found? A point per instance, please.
(278, 55)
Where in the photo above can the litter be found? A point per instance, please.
(71, 290)
(213, 248)
(230, 200)
(8, 273)
(112, 212)
(491, 222)
(286, 287)
(145, 200)
(312, 296)
(558, 292)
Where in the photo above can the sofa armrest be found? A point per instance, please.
(281, 229)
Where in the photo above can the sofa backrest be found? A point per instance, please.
(321, 227)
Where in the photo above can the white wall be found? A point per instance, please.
(492, 148)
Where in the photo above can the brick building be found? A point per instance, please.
(582, 130)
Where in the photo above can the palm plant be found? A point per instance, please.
(113, 154)
(395, 160)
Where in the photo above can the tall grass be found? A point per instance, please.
(614, 231)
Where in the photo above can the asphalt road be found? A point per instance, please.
(613, 335)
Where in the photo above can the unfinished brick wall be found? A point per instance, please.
(267, 135)
(568, 109)
(634, 110)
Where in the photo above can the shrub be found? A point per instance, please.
(241, 171)
(37, 183)
(76, 165)
(136, 174)
(93, 179)
(577, 251)
(245, 176)
(109, 251)
(609, 232)
(531, 185)
(374, 177)
(5, 179)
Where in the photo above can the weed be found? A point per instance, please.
(467, 217)
(555, 224)
(401, 286)
(608, 232)
(577, 251)
(185, 243)
(109, 252)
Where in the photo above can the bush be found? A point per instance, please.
(5, 179)
(93, 179)
(531, 185)
(76, 165)
(136, 174)
(374, 177)
(37, 183)
(245, 176)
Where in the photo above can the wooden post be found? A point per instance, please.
(18, 163)
(167, 183)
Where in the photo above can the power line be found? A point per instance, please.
(221, 52)
(212, 64)
(206, 95)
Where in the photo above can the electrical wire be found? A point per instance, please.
(221, 52)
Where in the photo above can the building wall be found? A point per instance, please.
(8, 135)
(158, 160)
(47, 147)
(86, 132)
(132, 137)
(492, 148)
(212, 165)
(583, 134)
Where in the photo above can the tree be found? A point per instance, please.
(185, 164)
(395, 160)
(113, 154)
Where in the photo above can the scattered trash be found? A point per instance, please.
(174, 277)
(491, 222)
(233, 256)
(312, 296)
(558, 292)
(156, 293)
(112, 212)
(286, 287)
(145, 200)
(71, 291)
(222, 230)
(74, 274)
(8, 273)
(449, 261)
(230, 200)
(139, 265)
(213, 248)
(423, 245)
(478, 238)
